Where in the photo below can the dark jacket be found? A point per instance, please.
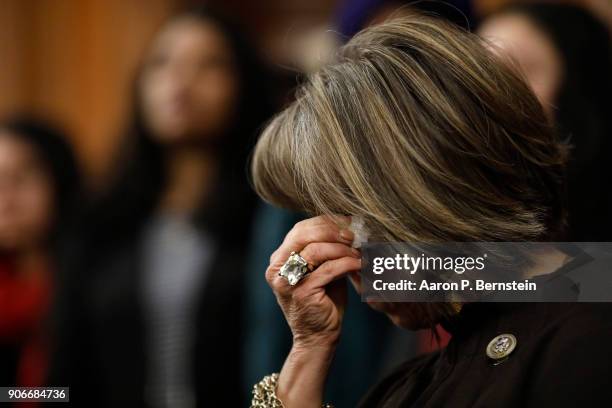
(100, 347)
(563, 358)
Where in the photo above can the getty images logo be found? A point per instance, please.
(413, 264)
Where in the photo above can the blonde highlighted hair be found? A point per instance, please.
(423, 132)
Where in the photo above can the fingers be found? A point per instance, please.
(318, 240)
(342, 221)
(302, 235)
(330, 271)
(317, 229)
(317, 253)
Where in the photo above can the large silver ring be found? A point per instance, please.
(295, 268)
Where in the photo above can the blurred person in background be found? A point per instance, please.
(565, 55)
(39, 183)
(152, 305)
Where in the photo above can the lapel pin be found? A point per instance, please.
(501, 347)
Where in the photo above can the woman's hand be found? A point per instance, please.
(315, 306)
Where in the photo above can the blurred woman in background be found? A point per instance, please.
(152, 304)
(38, 187)
(566, 57)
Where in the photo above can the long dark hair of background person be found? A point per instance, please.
(40, 186)
(118, 218)
(139, 182)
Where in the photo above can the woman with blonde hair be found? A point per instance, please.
(420, 131)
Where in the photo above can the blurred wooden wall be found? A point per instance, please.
(71, 61)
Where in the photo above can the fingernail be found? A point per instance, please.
(356, 252)
(346, 235)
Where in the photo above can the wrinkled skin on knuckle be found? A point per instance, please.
(271, 274)
(308, 323)
(277, 284)
(313, 251)
(274, 258)
(297, 230)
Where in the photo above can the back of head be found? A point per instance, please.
(424, 133)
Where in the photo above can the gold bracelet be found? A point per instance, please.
(264, 394)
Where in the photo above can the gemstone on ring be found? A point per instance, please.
(294, 269)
